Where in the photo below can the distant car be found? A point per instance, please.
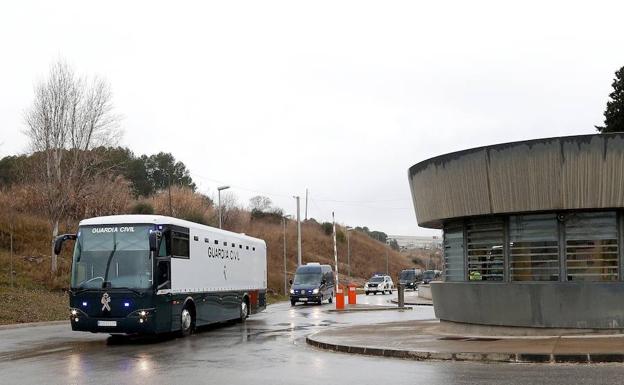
(410, 278)
(379, 284)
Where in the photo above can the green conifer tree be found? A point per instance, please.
(614, 114)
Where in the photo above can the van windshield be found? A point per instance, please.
(429, 274)
(407, 275)
(376, 279)
(307, 279)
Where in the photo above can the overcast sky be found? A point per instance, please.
(339, 97)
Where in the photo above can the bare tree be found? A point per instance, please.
(70, 116)
(260, 203)
(229, 208)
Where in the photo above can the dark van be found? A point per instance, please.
(411, 278)
(313, 283)
(428, 276)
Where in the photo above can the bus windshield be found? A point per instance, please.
(307, 279)
(118, 254)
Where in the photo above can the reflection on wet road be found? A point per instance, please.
(269, 348)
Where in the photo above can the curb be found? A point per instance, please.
(32, 324)
(468, 356)
(413, 303)
(354, 310)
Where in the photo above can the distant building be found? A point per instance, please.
(416, 242)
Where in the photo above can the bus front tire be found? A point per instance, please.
(187, 321)
(293, 303)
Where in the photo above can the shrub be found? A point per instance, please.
(328, 228)
(196, 216)
(185, 203)
(142, 208)
(274, 215)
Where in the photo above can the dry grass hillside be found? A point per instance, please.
(21, 215)
(367, 255)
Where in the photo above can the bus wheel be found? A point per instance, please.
(293, 303)
(187, 321)
(244, 310)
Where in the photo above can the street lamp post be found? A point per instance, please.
(298, 232)
(348, 228)
(284, 218)
(219, 194)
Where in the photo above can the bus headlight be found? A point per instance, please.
(315, 291)
(292, 291)
(74, 312)
(143, 316)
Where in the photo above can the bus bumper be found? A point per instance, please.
(125, 325)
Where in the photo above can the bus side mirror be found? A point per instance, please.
(290, 281)
(153, 241)
(58, 242)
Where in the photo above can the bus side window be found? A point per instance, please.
(179, 245)
(165, 245)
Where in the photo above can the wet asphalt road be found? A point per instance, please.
(269, 348)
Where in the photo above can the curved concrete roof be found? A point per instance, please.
(563, 173)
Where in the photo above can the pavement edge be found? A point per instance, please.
(494, 357)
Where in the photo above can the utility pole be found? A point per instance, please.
(285, 272)
(306, 210)
(219, 195)
(387, 271)
(298, 232)
(347, 229)
(11, 255)
(169, 189)
(335, 249)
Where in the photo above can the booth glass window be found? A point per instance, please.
(454, 268)
(534, 247)
(591, 246)
(485, 240)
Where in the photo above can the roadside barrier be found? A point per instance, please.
(351, 294)
(340, 298)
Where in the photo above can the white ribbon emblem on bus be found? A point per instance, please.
(106, 301)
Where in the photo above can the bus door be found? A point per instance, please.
(162, 272)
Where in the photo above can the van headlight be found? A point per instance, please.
(315, 291)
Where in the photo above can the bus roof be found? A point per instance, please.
(157, 220)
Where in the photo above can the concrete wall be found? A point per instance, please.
(424, 291)
(553, 305)
(576, 172)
